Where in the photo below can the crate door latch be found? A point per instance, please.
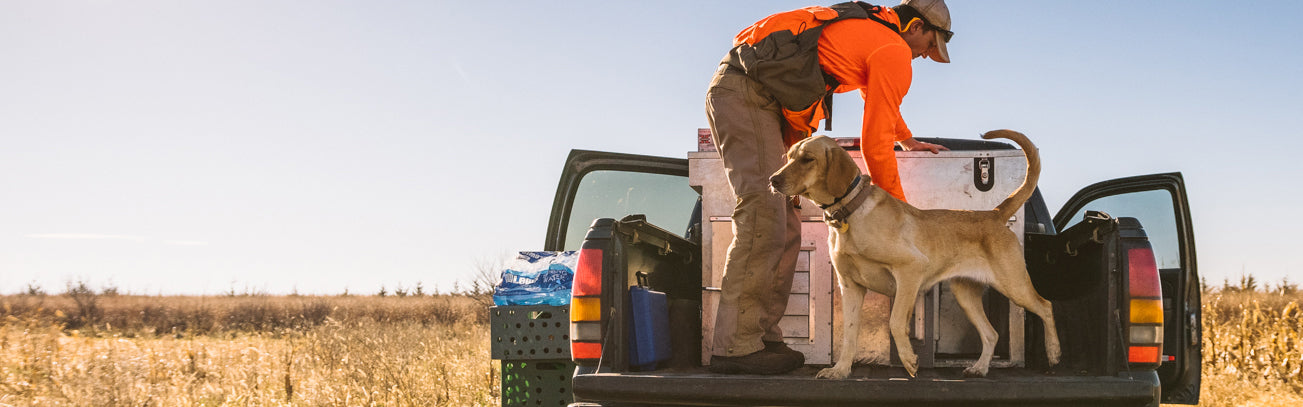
(983, 173)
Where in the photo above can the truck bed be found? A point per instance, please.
(1082, 378)
(868, 385)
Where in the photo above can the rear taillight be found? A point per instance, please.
(1145, 308)
(586, 308)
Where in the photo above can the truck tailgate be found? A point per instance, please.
(867, 386)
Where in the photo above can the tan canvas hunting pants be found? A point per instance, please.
(745, 125)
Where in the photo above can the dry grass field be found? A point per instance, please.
(245, 350)
(1253, 347)
(83, 348)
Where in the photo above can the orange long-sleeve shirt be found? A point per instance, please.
(865, 55)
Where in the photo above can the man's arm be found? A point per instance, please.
(888, 81)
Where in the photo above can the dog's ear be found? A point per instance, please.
(841, 169)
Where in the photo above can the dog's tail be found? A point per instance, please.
(1015, 200)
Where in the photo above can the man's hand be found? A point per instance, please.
(911, 144)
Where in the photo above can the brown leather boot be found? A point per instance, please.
(781, 348)
(761, 362)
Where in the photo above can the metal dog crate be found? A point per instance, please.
(973, 180)
(532, 343)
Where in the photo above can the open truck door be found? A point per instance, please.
(1159, 203)
(607, 207)
(598, 184)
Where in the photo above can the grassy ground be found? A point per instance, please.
(162, 351)
(87, 349)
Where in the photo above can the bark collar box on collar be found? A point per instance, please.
(835, 214)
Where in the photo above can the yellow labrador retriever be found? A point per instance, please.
(888, 246)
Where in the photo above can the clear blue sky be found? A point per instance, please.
(192, 147)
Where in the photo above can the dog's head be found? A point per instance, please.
(818, 169)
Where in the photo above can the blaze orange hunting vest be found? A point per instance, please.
(781, 52)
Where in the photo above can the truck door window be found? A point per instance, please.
(1156, 214)
(666, 200)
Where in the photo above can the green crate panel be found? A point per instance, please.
(530, 332)
(537, 383)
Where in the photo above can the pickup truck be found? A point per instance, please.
(1117, 262)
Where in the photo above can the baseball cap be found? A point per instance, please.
(937, 15)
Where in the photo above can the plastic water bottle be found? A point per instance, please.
(537, 278)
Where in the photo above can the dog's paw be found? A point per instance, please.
(910, 362)
(1053, 355)
(834, 373)
(976, 371)
(874, 358)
